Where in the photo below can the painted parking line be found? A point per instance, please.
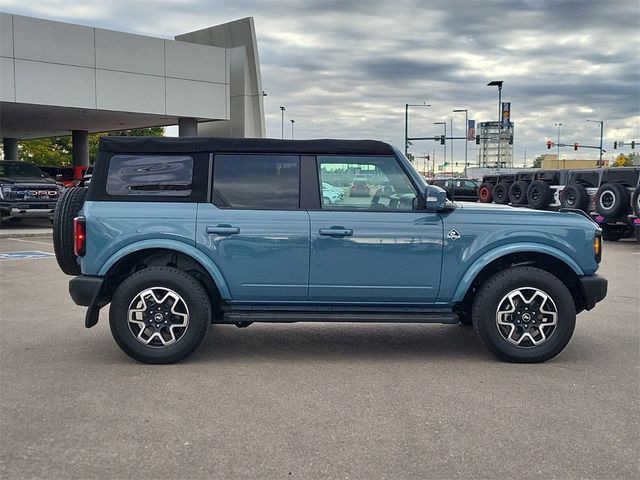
(29, 241)
(27, 255)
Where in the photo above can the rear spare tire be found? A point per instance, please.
(574, 195)
(539, 195)
(518, 192)
(501, 193)
(67, 208)
(485, 192)
(612, 200)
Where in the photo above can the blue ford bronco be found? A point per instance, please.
(179, 233)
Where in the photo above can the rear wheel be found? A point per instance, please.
(67, 208)
(501, 193)
(524, 315)
(159, 315)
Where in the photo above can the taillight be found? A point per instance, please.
(597, 247)
(79, 236)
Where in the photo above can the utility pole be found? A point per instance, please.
(293, 122)
(558, 144)
(282, 109)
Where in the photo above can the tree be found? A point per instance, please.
(56, 151)
(537, 162)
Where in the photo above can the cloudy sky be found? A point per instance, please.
(346, 68)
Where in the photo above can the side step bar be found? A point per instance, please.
(300, 316)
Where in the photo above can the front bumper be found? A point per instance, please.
(25, 209)
(594, 289)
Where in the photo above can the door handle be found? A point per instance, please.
(223, 229)
(336, 232)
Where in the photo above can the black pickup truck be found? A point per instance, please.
(26, 191)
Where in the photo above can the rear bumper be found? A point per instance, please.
(87, 292)
(83, 289)
(594, 289)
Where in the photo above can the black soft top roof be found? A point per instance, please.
(245, 145)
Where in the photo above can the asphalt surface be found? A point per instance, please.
(308, 401)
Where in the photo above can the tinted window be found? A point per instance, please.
(150, 175)
(256, 181)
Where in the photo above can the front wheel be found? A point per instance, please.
(159, 315)
(524, 315)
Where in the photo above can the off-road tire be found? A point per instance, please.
(574, 195)
(186, 287)
(612, 200)
(518, 192)
(635, 202)
(485, 192)
(492, 293)
(539, 195)
(501, 193)
(67, 208)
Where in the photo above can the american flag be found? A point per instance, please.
(471, 130)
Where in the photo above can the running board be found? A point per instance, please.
(300, 316)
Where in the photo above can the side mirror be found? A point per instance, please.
(435, 197)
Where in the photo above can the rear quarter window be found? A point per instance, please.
(150, 175)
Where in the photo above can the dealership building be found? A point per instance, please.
(61, 79)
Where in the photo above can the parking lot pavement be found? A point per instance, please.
(26, 227)
(312, 401)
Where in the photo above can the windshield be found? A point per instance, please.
(20, 170)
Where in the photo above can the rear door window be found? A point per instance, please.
(256, 182)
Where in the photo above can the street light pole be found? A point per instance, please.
(601, 122)
(293, 122)
(466, 139)
(406, 123)
(498, 83)
(282, 109)
(558, 143)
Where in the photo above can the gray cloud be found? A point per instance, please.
(346, 68)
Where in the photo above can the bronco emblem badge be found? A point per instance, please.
(453, 235)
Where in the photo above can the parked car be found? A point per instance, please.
(360, 187)
(66, 176)
(459, 189)
(331, 194)
(26, 191)
(179, 233)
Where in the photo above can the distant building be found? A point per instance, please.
(59, 79)
(551, 162)
(495, 144)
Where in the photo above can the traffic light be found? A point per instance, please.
(575, 146)
(615, 145)
(442, 139)
(633, 144)
(549, 144)
(477, 139)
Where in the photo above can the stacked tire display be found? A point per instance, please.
(610, 196)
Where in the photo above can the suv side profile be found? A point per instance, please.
(178, 233)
